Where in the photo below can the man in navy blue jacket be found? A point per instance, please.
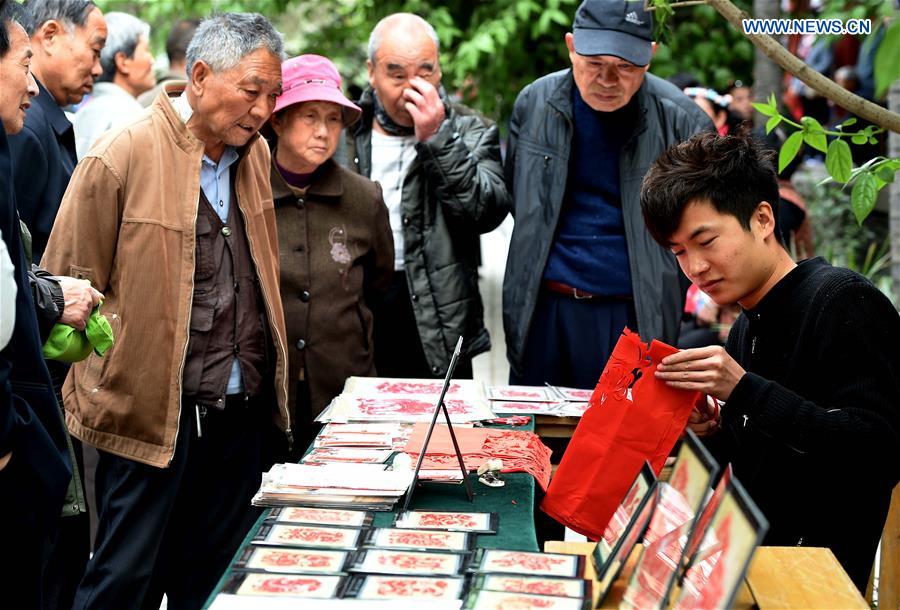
(35, 469)
(67, 37)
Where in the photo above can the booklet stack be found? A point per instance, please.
(334, 485)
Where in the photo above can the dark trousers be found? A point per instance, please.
(398, 349)
(174, 530)
(571, 339)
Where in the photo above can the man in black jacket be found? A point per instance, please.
(439, 168)
(581, 265)
(810, 377)
(35, 469)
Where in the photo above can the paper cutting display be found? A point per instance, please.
(379, 561)
(410, 587)
(496, 600)
(523, 562)
(417, 539)
(306, 585)
(623, 519)
(680, 501)
(717, 571)
(294, 560)
(321, 516)
(452, 521)
(558, 587)
(308, 536)
(521, 393)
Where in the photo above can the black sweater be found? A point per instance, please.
(813, 428)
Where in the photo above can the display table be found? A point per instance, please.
(779, 578)
(514, 504)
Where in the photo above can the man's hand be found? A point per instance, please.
(5, 460)
(707, 369)
(425, 107)
(704, 418)
(80, 300)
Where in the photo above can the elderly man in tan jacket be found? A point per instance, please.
(172, 218)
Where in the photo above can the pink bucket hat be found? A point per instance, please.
(313, 78)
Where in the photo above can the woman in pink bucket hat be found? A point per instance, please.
(335, 239)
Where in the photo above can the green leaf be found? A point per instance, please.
(772, 102)
(772, 123)
(873, 140)
(838, 160)
(886, 173)
(887, 68)
(849, 122)
(859, 138)
(765, 109)
(813, 134)
(789, 150)
(863, 196)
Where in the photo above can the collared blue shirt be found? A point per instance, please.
(215, 180)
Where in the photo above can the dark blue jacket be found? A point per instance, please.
(33, 484)
(44, 155)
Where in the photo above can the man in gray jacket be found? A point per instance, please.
(439, 168)
(581, 264)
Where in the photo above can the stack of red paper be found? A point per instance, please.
(519, 451)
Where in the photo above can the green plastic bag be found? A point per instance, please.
(67, 344)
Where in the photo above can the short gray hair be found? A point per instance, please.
(70, 13)
(223, 40)
(124, 34)
(406, 20)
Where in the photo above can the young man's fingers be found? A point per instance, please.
(687, 355)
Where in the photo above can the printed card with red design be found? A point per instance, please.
(320, 516)
(481, 523)
(279, 559)
(389, 386)
(515, 583)
(425, 540)
(382, 561)
(523, 562)
(371, 586)
(533, 408)
(574, 394)
(310, 586)
(283, 534)
(497, 600)
(524, 393)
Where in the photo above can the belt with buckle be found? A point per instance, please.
(569, 291)
(581, 295)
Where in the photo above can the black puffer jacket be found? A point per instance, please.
(537, 165)
(453, 193)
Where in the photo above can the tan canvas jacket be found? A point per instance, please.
(127, 223)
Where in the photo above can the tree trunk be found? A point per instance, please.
(766, 73)
(894, 201)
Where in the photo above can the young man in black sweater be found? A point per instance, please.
(809, 382)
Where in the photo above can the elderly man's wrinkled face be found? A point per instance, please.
(233, 104)
(403, 54)
(18, 83)
(75, 57)
(606, 82)
(138, 69)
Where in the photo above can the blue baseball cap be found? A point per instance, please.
(614, 27)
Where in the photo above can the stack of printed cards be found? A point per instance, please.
(479, 523)
(376, 399)
(519, 579)
(333, 484)
(539, 400)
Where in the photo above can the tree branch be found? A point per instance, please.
(819, 83)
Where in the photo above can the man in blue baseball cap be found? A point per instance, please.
(580, 142)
